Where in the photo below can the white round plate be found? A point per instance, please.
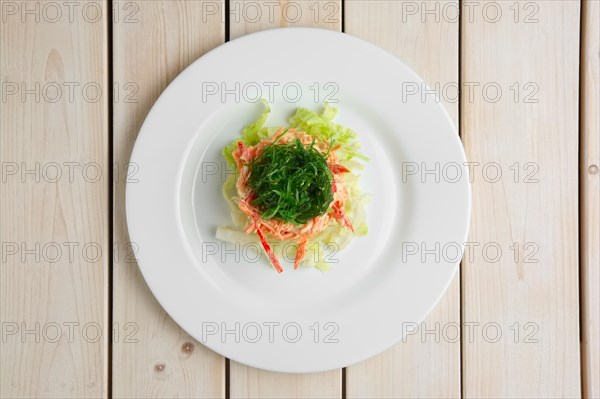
(381, 285)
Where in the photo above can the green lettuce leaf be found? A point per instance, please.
(251, 134)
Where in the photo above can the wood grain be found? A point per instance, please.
(54, 202)
(590, 198)
(425, 365)
(522, 306)
(249, 382)
(253, 16)
(530, 295)
(248, 16)
(153, 42)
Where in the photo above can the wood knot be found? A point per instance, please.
(593, 169)
(187, 348)
(159, 367)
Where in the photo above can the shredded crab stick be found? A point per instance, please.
(300, 253)
(269, 252)
(277, 229)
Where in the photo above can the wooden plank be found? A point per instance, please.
(249, 382)
(253, 16)
(427, 364)
(590, 198)
(248, 16)
(522, 305)
(153, 42)
(54, 200)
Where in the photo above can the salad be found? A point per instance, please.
(295, 185)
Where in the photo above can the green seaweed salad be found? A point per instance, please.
(292, 182)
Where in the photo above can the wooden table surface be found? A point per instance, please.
(522, 318)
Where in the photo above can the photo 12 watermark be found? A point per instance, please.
(454, 172)
(67, 252)
(253, 92)
(68, 92)
(271, 11)
(488, 12)
(473, 252)
(471, 92)
(68, 11)
(69, 331)
(288, 332)
(67, 172)
(470, 332)
(253, 252)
